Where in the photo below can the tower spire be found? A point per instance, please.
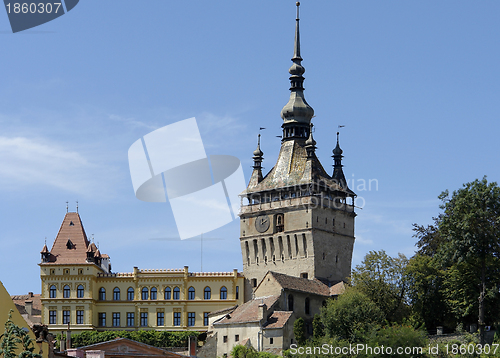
(310, 143)
(338, 173)
(296, 113)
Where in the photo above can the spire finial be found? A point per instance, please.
(67, 207)
(297, 113)
(77, 206)
(310, 143)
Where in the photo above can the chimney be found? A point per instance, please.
(28, 306)
(262, 312)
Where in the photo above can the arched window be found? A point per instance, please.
(52, 291)
(290, 302)
(207, 293)
(177, 293)
(102, 294)
(116, 294)
(153, 293)
(66, 291)
(144, 293)
(307, 307)
(168, 293)
(80, 292)
(223, 293)
(191, 293)
(130, 294)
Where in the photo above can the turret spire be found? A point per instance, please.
(310, 143)
(338, 173)
(257, 177)
(296, 113)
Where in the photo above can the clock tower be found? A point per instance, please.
(297, 220)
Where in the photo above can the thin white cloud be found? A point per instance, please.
(131, 122)
(38, 162)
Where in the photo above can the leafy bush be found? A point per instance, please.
(153, 338)
(299, 330)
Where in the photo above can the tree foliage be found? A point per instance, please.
(351, 316)
(382, 278)
(240, 351)
(153, 338)
(299, 330)
(13, 336)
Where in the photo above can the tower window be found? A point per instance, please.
(254, 282)
(69, 244)
(280, 223)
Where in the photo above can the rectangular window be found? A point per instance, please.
(144, 319)
(52, 317)
(160, 318)
(116, 319)
(205, 318)
(237, 292)
(66, 317)
(237, 338)
(79, 317)
(177, 318)
(102, 319)
(271, 340)
(130, 319)
(191, 319)
(224, 339)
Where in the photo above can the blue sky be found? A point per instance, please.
(416, 84)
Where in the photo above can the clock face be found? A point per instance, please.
(262, 223)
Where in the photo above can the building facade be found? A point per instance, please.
(79, 288)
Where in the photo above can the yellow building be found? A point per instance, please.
(79, 288)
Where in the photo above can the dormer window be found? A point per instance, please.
(71, 224)
(69, 245)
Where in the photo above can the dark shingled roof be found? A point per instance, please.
(301, 284)
(249, 311)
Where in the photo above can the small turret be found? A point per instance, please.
(338, 173)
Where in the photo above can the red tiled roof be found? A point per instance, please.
(249, 311)
(71, 244)
(278, 319)
(20, 300)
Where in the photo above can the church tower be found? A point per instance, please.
(297, 220)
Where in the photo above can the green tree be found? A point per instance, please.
(426, 292)
(351, 316)
(14, 335)
(470, 228)
(299, 330)
(382, 278)
(318, 331)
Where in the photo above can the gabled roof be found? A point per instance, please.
(278, 319)
(130, 348)
(299, 284)
(337, 289)
(34, 298)
(249, 311)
